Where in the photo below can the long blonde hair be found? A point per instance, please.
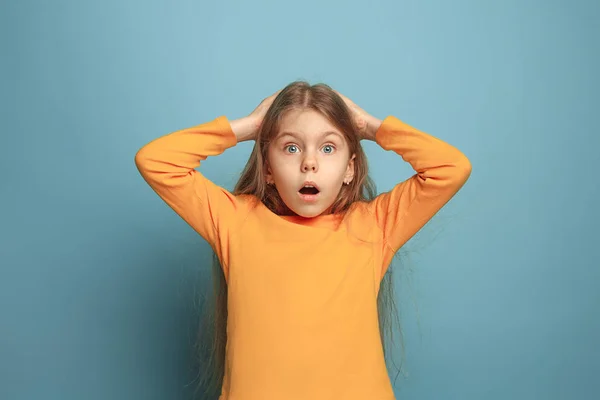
(212, 334)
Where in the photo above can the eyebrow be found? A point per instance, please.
(296, 135)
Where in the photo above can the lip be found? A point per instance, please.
(309, 198)
(311, 183)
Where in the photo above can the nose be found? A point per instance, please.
(309, 164)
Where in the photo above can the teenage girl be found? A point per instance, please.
(302, 241)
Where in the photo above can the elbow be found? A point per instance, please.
(465, 166)
(139, 158)
(142, 159)
(463, 170)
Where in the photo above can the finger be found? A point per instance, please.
(346, 100)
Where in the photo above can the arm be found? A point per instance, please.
(168, 165)
(441, 171)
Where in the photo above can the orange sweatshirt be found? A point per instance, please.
(302, 293)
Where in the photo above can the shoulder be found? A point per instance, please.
(360, 220)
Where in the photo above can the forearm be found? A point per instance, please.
(429, 156)
(169, 159)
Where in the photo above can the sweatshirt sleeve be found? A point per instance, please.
(168, 165)
(440, 172)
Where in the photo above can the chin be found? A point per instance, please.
(309, 212)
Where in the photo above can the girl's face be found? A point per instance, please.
(308, 150)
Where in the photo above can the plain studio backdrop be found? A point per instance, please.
(99, 278)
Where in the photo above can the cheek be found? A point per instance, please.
(282, 167)
(282, 160)
(273, 163)
(337, 165)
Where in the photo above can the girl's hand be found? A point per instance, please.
(246, 128)
(258, 115)
(366, 123)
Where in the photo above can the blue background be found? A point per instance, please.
(98, 277)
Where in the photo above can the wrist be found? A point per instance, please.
(373, 125)
(244, 128)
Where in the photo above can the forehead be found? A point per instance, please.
(306, 123)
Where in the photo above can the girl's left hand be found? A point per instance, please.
(366, 123)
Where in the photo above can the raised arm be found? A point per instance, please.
(168, 165)
(440, 171)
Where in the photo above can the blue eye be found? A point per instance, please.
(292, 146)
(330, 147)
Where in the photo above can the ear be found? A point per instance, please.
(268, 174)
(349, 175)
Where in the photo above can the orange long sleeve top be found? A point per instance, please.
(302, 293)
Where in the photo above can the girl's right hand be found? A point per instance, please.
(247, 128)
(258, 115)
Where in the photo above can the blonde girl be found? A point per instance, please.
(302, 243)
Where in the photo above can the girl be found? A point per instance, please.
(302, 243)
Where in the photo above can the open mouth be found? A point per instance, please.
(309, 190)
